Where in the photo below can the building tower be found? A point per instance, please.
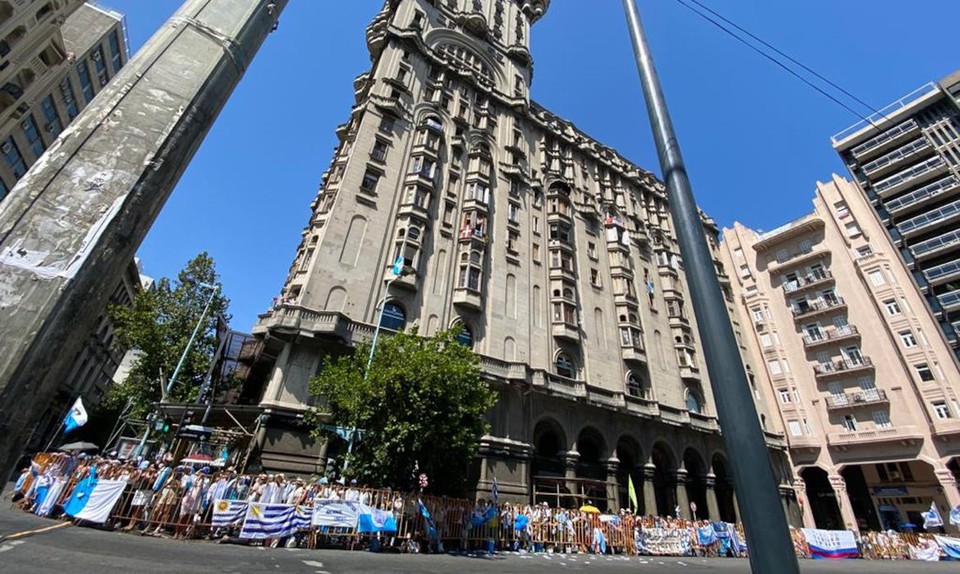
(907, 161)
(865, 385)
(555, 254)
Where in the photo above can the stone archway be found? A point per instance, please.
(630, 468)
(664, 479)
(726, 502)
(822, 499)
(696, 483)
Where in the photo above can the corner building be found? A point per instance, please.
(865, 383)
(555, 254)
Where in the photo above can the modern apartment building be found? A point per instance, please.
(907, 161)
(865, 385)
(55, 56)
(555, 254)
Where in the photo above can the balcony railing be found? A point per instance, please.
(926, 192)
(842, 366)
(930, 218)
(937, 243)
(889, 135)
(864, 397)
(810, 280)
(950, 300)
(911, 173)
(825, 336)
(896, 155)
(818, 306)
(944, 271)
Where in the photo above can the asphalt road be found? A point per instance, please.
(73, 550)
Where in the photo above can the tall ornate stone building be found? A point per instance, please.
(555, 253)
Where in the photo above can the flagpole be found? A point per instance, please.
(768, 537)
(54, 437)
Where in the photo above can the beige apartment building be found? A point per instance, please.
(55, 56)
(555, 253)
(864, 381)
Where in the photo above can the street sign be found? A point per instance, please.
(398, 266)
(195, 432)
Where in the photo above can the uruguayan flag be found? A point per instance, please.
(951, 546)
(93, 499)
(375, 520)
(76, 418)
(268, 521)
(50, 500)
(229, 512)
(302, 518)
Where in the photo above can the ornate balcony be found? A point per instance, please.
(564, 330)
(872, 437)
(469, 298)
(818, 307)
(842, 367)
(861, 398)
(834, 335)
(808, 282)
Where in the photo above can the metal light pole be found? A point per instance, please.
(768, 537)
(214, 289)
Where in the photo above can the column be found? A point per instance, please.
(713, 509)
(948, 483)
(571, 459)
(649, 489)
(806, 513)
(736, 503)
(786, 493)
(683, 501)
(839, 486)
(613, 488)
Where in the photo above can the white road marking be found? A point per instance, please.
(10, 545)
(313, 563)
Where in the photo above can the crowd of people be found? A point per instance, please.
(165, 499)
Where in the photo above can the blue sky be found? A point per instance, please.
(755, 139)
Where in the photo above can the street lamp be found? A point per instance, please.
(768, 537)
(400, 269)
(165, 391)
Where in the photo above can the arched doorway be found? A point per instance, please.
(630, 456)
(546, 468)
(822, 499)
(664, 479)
(696, 482)
(591, 473)
(724, 489)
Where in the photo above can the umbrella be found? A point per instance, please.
(79, 446)
(590, 508)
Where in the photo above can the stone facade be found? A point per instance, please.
(555, 253)
(863, 378)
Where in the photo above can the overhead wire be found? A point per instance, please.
(714, 21)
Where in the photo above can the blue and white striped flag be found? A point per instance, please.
(303, 517)
(268, 521)
(229, 512)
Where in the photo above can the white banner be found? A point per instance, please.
(336, 513)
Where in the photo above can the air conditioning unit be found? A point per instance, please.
(6, 147)
(50, 128)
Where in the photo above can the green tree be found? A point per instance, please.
(158, 325)
(423, 401)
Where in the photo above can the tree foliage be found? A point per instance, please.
(159, 325)
(423, 402)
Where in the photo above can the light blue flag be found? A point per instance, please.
(76, 418)
(955, 516)
(375, 520)
(931, 518)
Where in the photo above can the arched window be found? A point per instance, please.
(394, 317)
(465, 337)
(637, 385)
(564, 366)
(413, 233)
(694, 404)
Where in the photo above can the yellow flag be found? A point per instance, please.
(632, 493)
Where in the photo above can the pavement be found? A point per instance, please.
(75, 550)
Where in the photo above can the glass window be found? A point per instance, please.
(892, 307)
(907, 338)
(693, 402)
(924, 372)
(100, 65)
(51, 116)
(32, 132)
(465, 337)
(564, 366)
(66, 90)
(85, 85)
(4, 190)
(13, 157)
(941, 409)
(115, 55)
(394, 318)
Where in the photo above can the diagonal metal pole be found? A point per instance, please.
(768, 537)
(75, 220)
